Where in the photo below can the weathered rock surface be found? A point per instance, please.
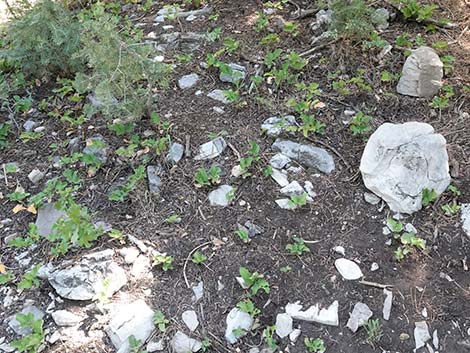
(422, 74)
(190, 319)
(188, 81)
(175, 153)
(359, 316)
(154, 173)
(220, 196)
(237, 319)
(182, 343)
(211, 149)
(219, 96)
(387, 304)
(66, 318)
(400, 160)
(465, 217)
(421, 334)
(348, 269)
(47, 216)
(324, 316)
(237, 73)
(283, 325)
(97, 147)
(95, 274)
(274, 126)
(15, 325)
(35, 176)
(134, 319)
(306, 155)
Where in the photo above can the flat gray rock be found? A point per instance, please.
(95, 274)
(279, 161)
(219, 96)
(275, 125)
(422, 74)
(182, 343)
(219, 197)
(175, 153)
(190, 319)
(348, 269)
(47, 216)
(283, 325)
(400, 160)
(306, 155)
(280, 177)
(237, 320)
(15, 325)
(66, 318)
(188, 81)
(421, 334)
(211, 149)
(371, 198)
(35, 176)
(154, 173)
(134, 319)
(238, 73)
(359, 316)
(97, 146)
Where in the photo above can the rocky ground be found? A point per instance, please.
(295, 239)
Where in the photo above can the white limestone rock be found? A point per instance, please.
(283, 325)
(211, 149)
(328, 316)
(348, 269)
(465, 217)
(359, 316)
(400, 160)
(237, 319)
(220, 196)
(422, 74)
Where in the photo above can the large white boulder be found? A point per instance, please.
(400, 160)
(422, 74)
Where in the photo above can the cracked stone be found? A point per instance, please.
(328, 316)
(211, 149)
(306, 155)
(400, 160)
(422, 74)
(359, 316)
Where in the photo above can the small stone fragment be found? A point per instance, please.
(47, 216)
(237, 73)
(421, 334)
(190, 319)
(198, 291)
(340, 250)
(221, 196)
(154, 173)
(237, 320)
(182, 343)
(274, 126)
(188, 81)
(279, 161)
(219, 96)
(280, 177)
(404, 336)
(294, 335)
(155, 346)
(306, 155)
(65, 318)
(35, 176)
(141, 268)
(283, 325)
(465, 217)
(15, 325)
(97, 147)
(374, 266)
(371, 198)
(324, 316)
(129, 254)
(359, 316)
(286, 204)
(29, 125)
(175, 153)
(211, 149)
(348, 269)
(410, 228)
